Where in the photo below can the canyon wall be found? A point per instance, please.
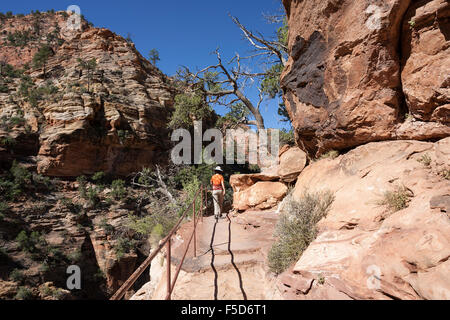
(364, 71)
(111, 118)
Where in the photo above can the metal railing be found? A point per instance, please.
(167, 242)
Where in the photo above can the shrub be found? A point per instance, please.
(11, 187)
(17, 276)
(397, 199)
(425, 160)
(92, 196)
(191, 188)
(99, 177)
(123, 246)
(108, 228)
(42, 181)
(333, 154)
(287, 137)
(74, 208)
(21, 175)
(24, 294)
(4, 88)
(30, 243)
(157, 225)
(296, 228)
(82, 190)
(118, 190)
(445, 173)
(75, 256)
(4, 207)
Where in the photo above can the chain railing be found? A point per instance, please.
(197, 215)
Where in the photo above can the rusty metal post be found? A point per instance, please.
(168, 258)
(202, 204)
(195, 228)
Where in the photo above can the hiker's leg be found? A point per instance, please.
(216, 203)
(221, 202)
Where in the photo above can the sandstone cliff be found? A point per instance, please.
(62, 119)
(360, 72)
(111, 118)
(368, 248)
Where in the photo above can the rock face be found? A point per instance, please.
(365, 250)
(110, 119)
(291, 164)
(261, 195)
(357, 70)
(266, 189)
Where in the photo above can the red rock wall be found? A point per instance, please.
(357, 68)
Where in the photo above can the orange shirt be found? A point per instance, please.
(216, 181)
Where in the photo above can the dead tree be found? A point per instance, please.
(225, 84)
(153, 179)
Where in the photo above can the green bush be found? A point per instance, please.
(75, 256)
(287, 137)
(118, 190)
(108, 228)
(69, 204)
(297, 228)
(17, 276)
(124, 246)
(333, 154)
(12, 186)
(30, 243)
(24, 294)
(4, 207)
(191, 188)
(397, 199)
(82, 189)
(92, 196)
(425, 160)
(99, 178)
(156, 225)
(42, 181)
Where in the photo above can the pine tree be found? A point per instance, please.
(154, 56)
(41, 57)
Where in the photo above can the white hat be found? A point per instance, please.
(218, 168)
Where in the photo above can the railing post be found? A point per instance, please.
(168, 258)
(202, 202)
(195, 228)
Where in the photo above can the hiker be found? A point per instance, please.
(218, 187)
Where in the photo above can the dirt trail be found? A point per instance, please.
(230, 262)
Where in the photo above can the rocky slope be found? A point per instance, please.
(111, 118)
(386, 235)
(360, 72)
(63, 120)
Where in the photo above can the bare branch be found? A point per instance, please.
(270, 47)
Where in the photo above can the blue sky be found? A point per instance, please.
(184, 32)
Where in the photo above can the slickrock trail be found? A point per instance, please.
(230, 263)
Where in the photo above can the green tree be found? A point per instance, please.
(90, 66)
(227, 83)
(40, 59)
(189, 107)
(154, 56)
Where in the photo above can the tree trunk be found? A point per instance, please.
(255, 111)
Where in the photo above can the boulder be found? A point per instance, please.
(355, 65)
(364, 249)
(291, 164)
(241, 182)
(262, 195)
